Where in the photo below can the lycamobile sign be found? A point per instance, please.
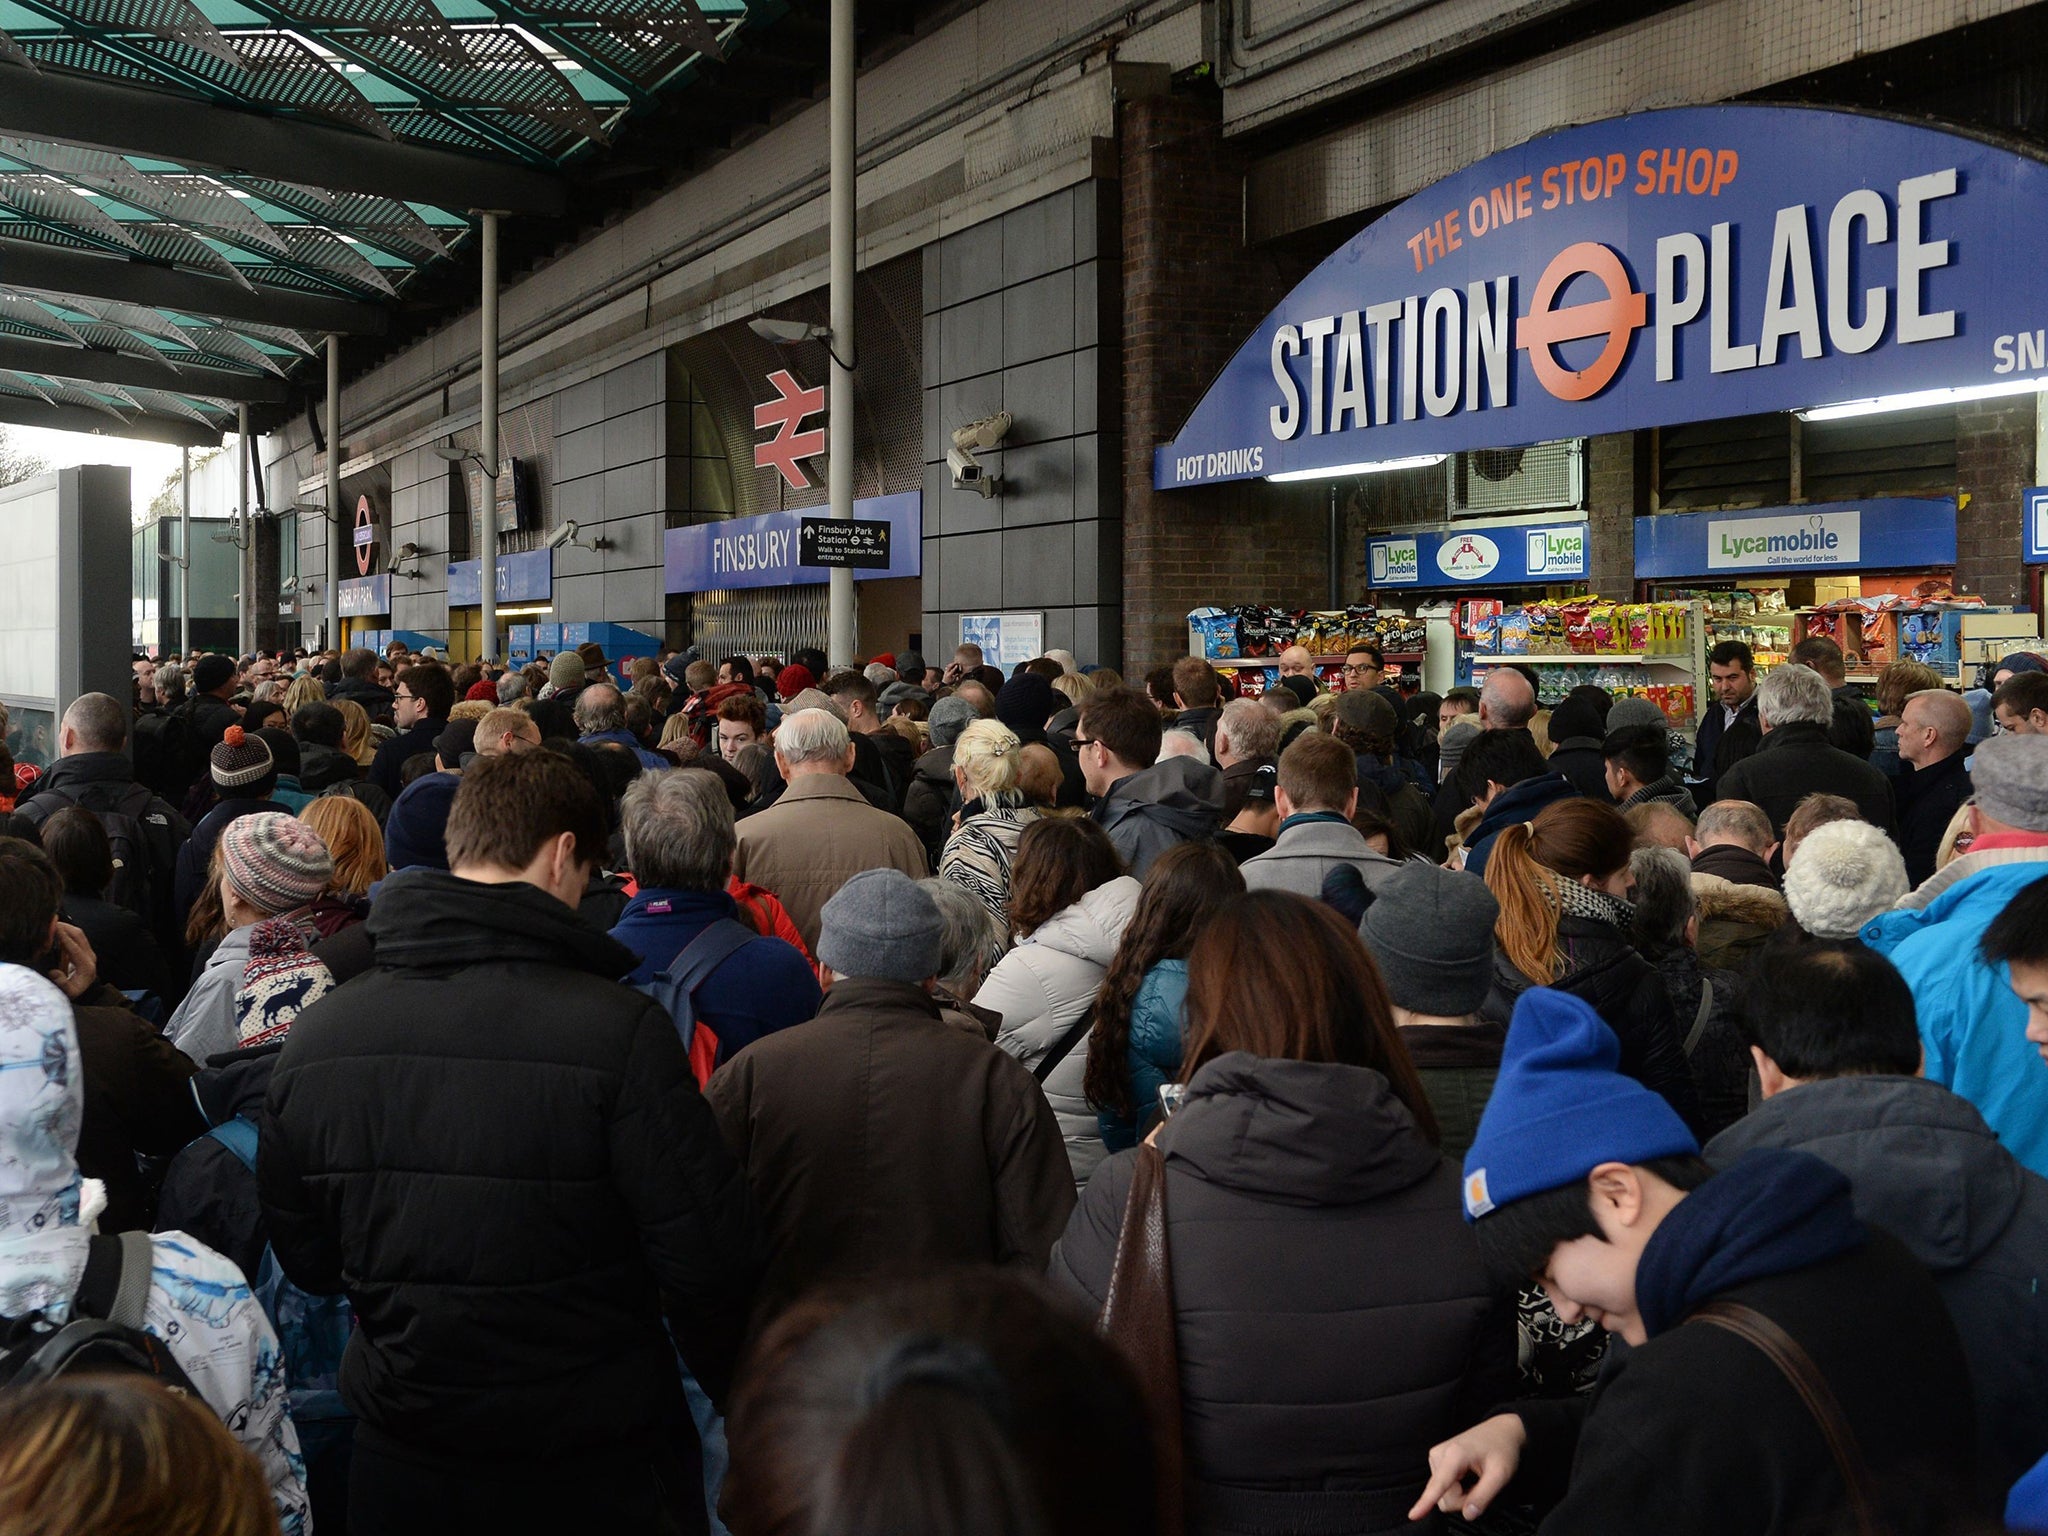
(1670, 266)
(1823, 538)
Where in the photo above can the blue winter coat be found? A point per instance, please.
(765, 985)
(1972, 1025)
(1152, 1057)
(1518, 802)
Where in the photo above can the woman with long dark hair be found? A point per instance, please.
(1135, 1043)
(1332, 1313)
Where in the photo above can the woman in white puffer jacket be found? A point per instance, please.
(1069, 905)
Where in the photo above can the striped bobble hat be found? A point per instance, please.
(280, 979)
(240, 759)
(274, 862)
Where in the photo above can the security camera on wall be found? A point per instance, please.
(566, 534)
(977, 436)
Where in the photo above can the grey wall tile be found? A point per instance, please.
(932, 553)
(641, 382)
(1038, 566)
(636, 541)
(964, 511)
(635, 598)
(579, 501)
(1088, 476)
(1038, 318)
(1088, 563)
(1038, 238)
(578, 599)
(579, 453)
(971, 337)
(580, 405)
(1087, 304)
(1040, 396)
(970, 571)
(633, 437)
(1038, 483)
(631, 491)
(1086, 387)
(1087, 223)
(971, 263)
(1059, 630)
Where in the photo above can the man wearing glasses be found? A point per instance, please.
(1365, 666)
(421, 699)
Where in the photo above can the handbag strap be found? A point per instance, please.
(1797, 1367)
(1138, 1319)
(1699, 1019)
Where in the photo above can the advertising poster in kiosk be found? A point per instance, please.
(1672, 266)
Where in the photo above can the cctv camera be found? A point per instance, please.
(982, 435)
(968, 473)
(565, 534)
(408, 550)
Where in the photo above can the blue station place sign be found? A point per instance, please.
(1893, 533)
(528, 577)
(2034, 543)
(1684, 265)
(1517, 555)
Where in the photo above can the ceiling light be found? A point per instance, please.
(1337, 471)
(1921, 398)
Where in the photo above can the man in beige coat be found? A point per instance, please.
(821, 832)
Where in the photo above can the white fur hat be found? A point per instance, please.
(1844, 874)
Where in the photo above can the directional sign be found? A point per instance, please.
(860, 546)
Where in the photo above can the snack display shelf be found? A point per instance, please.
(1571, 658)
(1391, 657)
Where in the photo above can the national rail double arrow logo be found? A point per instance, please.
(785, 413)
(1616, 317)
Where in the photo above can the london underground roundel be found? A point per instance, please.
(365, 536)
(1672, 266)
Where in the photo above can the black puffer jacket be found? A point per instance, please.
(1602, 967)
(1334, 1318)
(932, 799)
(206, 1191)
(501, 1154)
(1706, 1007)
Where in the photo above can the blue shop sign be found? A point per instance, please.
(1684, 265)
(2035, 543)
(762, 551)
(363, 597)
(522, 578)
(1518, 555)
(1898, 533)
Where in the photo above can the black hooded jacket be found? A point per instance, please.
(206, 1191)
(501, 1154)
(1334, 1317)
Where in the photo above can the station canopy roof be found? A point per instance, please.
(194, 193)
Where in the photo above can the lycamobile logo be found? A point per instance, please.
(1806, 541)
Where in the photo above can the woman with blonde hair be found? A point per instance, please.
(993, 815)
(354, 839)
(305, 689)
(1563, 882)
(356, 739)
(1078, 687)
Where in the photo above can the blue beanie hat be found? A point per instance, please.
(1561, 1107)
(416, 831)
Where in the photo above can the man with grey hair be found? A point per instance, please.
(726, 985)
(1934, 729)
(1737, 891)
(600, 714)
(881, 1137)
(1246, 731)
(93, 771)
(511, 687)
(821, 831)
(1507, 702)
(1795, 710)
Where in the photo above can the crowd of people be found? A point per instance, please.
(751, 1095)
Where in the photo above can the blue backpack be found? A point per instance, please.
(676, 989)
(312, 1330)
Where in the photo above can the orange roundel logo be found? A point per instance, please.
(1616, 317)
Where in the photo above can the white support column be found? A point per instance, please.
(185, 551)
(487, 568)
(841, 627)
(337, 534)
(245, 603)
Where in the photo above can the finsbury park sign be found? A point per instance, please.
(1664, 267)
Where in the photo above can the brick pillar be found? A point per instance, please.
(1994, 463)
(1617, 492)
(1192, 293)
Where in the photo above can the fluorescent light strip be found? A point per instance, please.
(1919, 398)
(1415, 461)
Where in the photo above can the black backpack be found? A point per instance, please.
(163, 752)
(129, 841)
(105, 1332)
